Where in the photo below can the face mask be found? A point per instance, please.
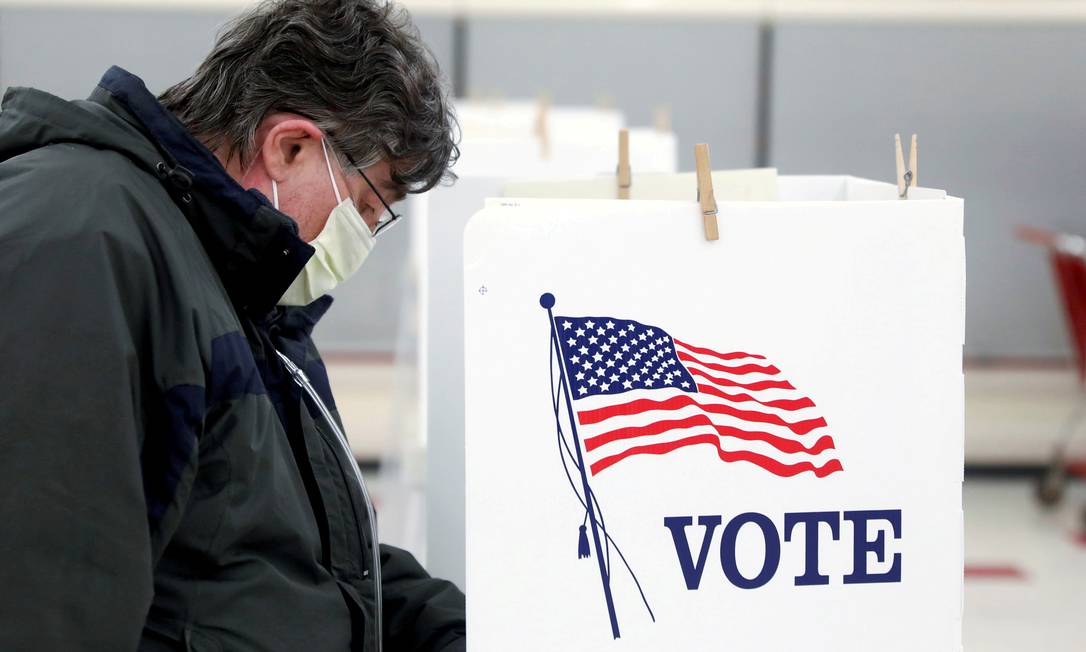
(341, 248)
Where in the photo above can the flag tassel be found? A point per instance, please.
(547, 302)
(583, 551)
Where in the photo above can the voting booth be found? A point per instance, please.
(498, 149)
(749, 443)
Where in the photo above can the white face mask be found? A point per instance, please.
(341, 248)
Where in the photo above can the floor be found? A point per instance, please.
(1025, 582)
(1014, 413)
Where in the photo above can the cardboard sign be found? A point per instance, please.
(747, 444)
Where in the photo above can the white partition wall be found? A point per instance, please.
(584, 145)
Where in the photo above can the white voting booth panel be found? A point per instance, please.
(438, 220)
(758, 184)
(770, 426)
(501, 137)
(516, 118)
(651, 152)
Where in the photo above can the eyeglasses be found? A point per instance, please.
(392, 217)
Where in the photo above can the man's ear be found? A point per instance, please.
(287, 144)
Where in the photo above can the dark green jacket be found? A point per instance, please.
(164, 483)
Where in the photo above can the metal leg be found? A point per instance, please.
(1053, 482)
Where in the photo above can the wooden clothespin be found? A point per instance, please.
(625, 173)
(906, 177)
(705, 191)
(542, 126)
(661, 118)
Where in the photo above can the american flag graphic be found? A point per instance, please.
(638, 391)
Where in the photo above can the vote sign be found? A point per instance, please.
(753, 443)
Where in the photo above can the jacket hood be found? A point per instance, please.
(32, 119)
(255, 248)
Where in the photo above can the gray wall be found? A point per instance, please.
(704, 71)
(999, 109)
(65, 51)
(1001, 116)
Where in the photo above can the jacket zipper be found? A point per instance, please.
(302, 380)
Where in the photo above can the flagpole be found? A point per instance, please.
(547, 301)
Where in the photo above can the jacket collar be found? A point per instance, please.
(255, 248)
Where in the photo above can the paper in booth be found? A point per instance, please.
(748, 444)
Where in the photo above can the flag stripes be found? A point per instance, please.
(638, 392)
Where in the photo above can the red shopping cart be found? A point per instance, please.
(1067, 254)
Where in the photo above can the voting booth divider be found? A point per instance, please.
(499, 146)
(752, 443)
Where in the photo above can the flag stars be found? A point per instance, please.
(606, 356)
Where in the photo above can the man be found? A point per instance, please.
(173, 474)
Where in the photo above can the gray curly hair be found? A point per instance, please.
(357, 68)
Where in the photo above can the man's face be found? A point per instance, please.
(292, 154)
(308, 196)
(370, 200)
